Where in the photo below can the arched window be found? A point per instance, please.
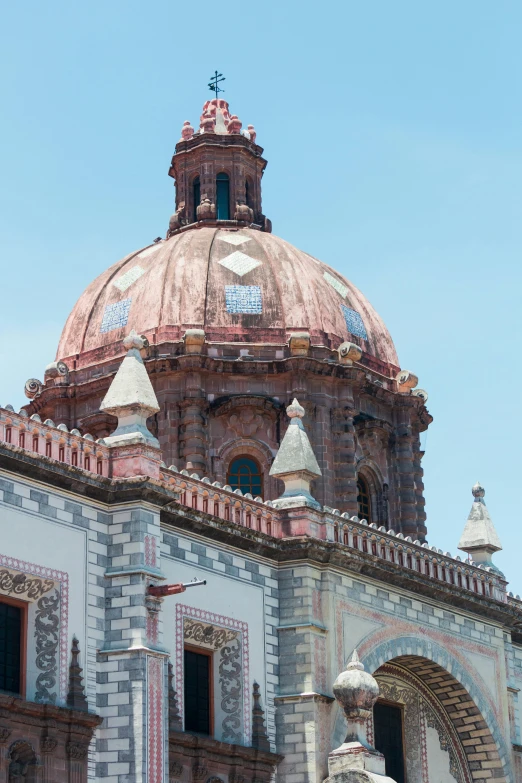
(249, 194)
(245, 474)
(223, 197)
(196, 196)
(363, 499)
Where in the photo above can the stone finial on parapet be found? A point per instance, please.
(131, 398)
(355, 760)
(135, 450)
(295, 463)
(194, 340)
(299, 343)
(479, 538)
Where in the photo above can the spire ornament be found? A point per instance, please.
(295, 463)
(479, 538)
(131, 397)
(259, 736)
(76, 693)
(356, 691)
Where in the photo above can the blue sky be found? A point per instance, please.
(392, 132)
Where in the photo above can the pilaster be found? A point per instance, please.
(132, 666)
(303, 704)
(344, 456)
(404, 450)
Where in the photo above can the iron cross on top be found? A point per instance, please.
(214, 83)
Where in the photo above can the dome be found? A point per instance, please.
(241, 285)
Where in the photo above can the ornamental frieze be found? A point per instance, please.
(22, 585)
(208, 635)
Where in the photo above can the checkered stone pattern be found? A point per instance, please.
(354, 322)
(239, 263)
(115, 316)
(128, 278)
(339, 287)
(243, 299)
(243, 571)
(234, 239)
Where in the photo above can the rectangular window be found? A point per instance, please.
(198, 691)
(389, 738)
(12, 624)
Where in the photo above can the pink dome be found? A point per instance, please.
(238, 285)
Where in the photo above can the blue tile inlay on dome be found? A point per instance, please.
(243, 299)
(354, 322)
(116, 315)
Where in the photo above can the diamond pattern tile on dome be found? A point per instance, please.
(116, 315)
(243, 299)
(234, 239)
(128, 278)
(239, 263)
(339, 287)
(149, 250)
(354, 322)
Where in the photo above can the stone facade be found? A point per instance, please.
(115, 497)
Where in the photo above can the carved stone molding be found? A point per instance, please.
(20, 584)
(199, 771)
(230, 680)
(246, 423)
(175, 769)
(46, 631)
(5, 733)
(207, 635)
(77, 750)
(48, 745)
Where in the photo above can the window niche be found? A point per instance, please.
(244, 473)
(223, 196)
(363, 499)
(196, 198)
(13, 623)
(213, 687)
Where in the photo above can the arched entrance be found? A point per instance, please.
(449, 728)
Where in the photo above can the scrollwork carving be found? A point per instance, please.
(21, 584)
(445, 743)
(47, 636)
(231, 691)
(175, 769)
(76, 750)
(209, 635)
(32, 387)
(5, 733)
(48, 744)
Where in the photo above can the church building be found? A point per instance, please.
(212, 510)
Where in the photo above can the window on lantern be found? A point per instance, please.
(245, 474)
(389, 738)
(363, 499)
(12, 624)
(197, 688)
(223, 196)
(249, 194)
(196, 197)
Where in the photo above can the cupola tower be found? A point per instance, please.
(217, 171)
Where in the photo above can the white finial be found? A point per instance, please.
(131, 397)
(133, 340)
(295, 410)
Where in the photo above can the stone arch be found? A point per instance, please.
(455, 689)
(23, 763)
(371, 473)
(251, 448)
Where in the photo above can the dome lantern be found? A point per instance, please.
(217, 171)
